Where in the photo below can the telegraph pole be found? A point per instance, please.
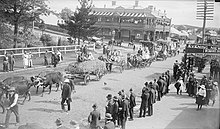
(205, 10)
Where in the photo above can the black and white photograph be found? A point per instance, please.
(109, 64)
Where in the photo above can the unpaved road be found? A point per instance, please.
(45, 110)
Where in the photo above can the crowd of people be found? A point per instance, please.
(204, 90)
(120, 108)
(27, 57)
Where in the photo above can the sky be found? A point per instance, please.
(181, 11)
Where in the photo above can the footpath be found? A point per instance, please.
(178, 112)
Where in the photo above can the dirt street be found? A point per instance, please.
(173, 111)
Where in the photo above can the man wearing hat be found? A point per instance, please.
(124, 115)
(13, 106)
(115, 109)
(144, 100)
(108, 107)
(66, 94)
(108, 122)
(94, 118)
(132, 104)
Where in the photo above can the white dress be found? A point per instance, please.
(25, 60)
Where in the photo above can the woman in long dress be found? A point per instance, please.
(25, 59)
(200, 99)
(214, 92)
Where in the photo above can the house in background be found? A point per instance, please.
(131, 23)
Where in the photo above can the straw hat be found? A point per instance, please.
(108, 116)
(67, 80)
(115, 98)
(202, 86)
(215, 83)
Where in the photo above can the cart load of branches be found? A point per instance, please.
(93, 66)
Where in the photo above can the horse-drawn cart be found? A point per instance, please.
(84, 70)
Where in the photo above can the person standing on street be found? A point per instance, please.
(115, 107)
(13, 107)
(46, 58)
(151, 99)
(66, 94)
(132, 104)
(125, 108)
(5, 63)
(200, 99)
(144, 100)
(109, 105)
(30, 62)
(94, 118)
(11, 61)
(108, 122)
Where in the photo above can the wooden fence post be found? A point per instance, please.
(65, 49)
(39, 52)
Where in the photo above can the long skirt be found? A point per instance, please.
(200, 100)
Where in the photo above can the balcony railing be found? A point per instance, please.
(125, 25)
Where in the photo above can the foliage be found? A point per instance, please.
(42, 26)
(6, 36)
(80, 23)
(59, 42)
(46, 39)
(22, 12)
(66, 13)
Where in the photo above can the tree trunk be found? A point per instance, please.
(15, 34)
(79, 36)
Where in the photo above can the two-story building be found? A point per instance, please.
(131, 23)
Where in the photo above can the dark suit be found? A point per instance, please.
(115, 112)
(125, 108)
(144, 101)
(66, 96)
(132, 104)
(94, 119)
(151, 101)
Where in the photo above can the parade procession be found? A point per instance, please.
(109, 64)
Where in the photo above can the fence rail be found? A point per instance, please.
(39, 50)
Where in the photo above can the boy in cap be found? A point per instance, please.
(94, 118)
(13, 107)
(108, 122)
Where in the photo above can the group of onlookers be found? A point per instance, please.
(203, 91)
(8, 62)
(9, 59)
(120, 108)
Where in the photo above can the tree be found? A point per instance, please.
(66, 13)
(42, 27)
(80, 24)
(45, 39)
(18, 12)
(6, 34)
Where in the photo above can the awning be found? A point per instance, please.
(174, 31)
(124, 14)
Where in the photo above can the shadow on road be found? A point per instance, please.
(49, 102)
(189, 118)
(45, 110)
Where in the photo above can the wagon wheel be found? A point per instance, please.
(86, 79)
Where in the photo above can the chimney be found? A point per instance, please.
(136, 3)
(150, 7)
(113, 3)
